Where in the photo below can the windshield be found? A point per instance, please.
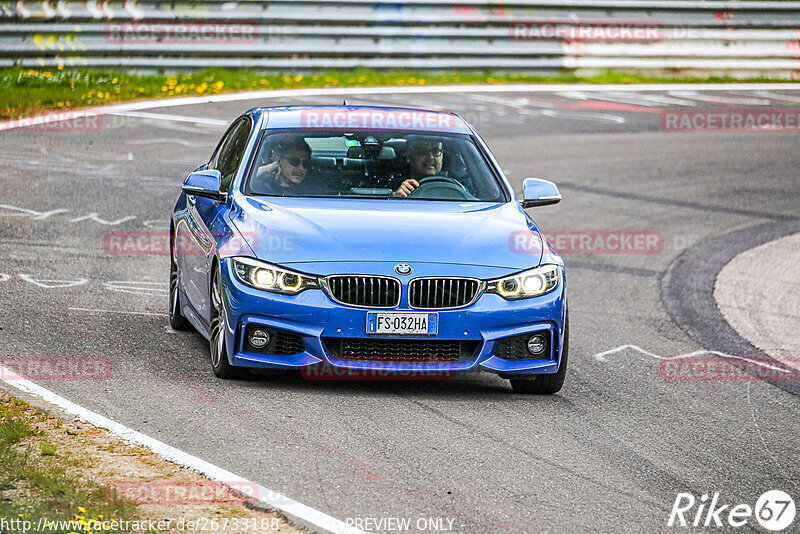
(372, 164)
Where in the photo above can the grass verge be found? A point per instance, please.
(25, 92)
(66, 477)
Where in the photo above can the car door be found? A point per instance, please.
(202, 213)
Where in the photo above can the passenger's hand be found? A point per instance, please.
(273, 170)
(406, 188)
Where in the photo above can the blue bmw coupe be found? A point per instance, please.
(371, 241)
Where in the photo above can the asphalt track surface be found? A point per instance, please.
(609, 453)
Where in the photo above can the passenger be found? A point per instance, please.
(424, 158)
(287, 169)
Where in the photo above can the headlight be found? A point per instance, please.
(526, 284)
(262, 275)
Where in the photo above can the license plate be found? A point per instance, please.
(404, 324)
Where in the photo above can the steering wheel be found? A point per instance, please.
(441, 187)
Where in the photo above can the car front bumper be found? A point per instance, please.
(316, 318)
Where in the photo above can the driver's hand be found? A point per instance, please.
(406, 188)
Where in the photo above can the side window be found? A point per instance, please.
(230, 153)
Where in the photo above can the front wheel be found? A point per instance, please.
(219, 353)
(546, 384)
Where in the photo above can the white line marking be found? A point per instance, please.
(168, 117)
(601, 356)
(717, 99)
(446, 89)
(777, 96)
(120, 312)
(54, 284)
(266, 497)
(582, 115)
(5, 277)
(161, 141)
(136, 287)
(94, 217)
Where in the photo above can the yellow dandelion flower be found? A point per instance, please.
(81, 508)
(60, 66)
(114, 81)
(298, 77)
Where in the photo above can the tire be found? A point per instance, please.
(219, 353)
(545, 384)
(176, 319)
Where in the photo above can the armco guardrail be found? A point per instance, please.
(760, 37)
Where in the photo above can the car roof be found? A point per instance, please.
(362, 118)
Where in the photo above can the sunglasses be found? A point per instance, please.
(435, 152)
(294, 162)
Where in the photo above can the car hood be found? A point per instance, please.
(303, 230)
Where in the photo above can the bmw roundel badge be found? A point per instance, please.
(403, 268)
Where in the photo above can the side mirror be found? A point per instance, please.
(204, 184)
(537, 192)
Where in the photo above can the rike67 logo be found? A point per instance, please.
(774, 511)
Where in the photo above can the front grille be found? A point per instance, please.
(399, 350)
(438, 293)
(516, 347)
(368, 291)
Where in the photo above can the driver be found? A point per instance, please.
(424, 158)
